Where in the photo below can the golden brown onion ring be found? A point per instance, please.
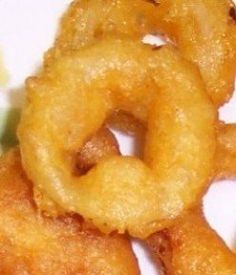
(204, 31)
(70, 100)
(33, 244)
(190, 246)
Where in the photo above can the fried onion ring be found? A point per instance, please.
(104, 144)
(70, 100)
(204, 31)
(190, 246)
(33, 244)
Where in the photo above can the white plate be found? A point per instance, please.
(27, 29)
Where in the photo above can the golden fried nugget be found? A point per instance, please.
(35, 245)
(191, 247)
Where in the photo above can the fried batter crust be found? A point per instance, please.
(203, 30)
(226, 151)
(192, 247)
(33, 244)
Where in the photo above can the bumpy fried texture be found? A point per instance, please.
(83, 24)
(226, 151)
(204, 31)
(102, 145)
(180, 139)
(105, 144)
(192, 247)
(160, 243)
(225, 159)
(33, 244)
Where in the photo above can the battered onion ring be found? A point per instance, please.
(204, 30)
(104, 144)
(70, 100)
(190, 246)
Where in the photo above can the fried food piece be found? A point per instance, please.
(225, 159)
(190, 246)
(226, 151)
(180, 139)
(161, 243)
(204, 31)
(82, 24)
(33, 244)
(104, 144)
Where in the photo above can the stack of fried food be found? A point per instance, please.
(71, 206)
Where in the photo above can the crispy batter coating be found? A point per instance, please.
(192, 247)
(36, 245)
(225, 160)
(164, 243)
(226, 151)
(180, 139)
(204, 31)
(82, 24)
(102, 145)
